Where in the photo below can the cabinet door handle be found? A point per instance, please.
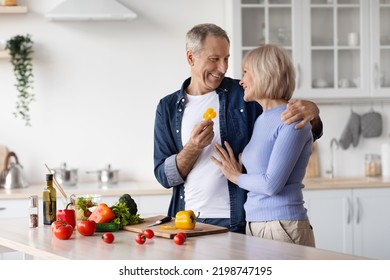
(2, 208)
(357, 210)
(299, 76)
(349, 211)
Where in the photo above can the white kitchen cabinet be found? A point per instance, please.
(352, 221)
(339, 47)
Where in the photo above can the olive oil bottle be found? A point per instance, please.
(49, 201)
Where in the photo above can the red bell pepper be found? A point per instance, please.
(67, 215)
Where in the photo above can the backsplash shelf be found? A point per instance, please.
(4, 54)
(13, 9)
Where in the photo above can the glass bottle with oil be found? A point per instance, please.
(49, 201)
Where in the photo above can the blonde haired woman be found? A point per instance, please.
(277, 155)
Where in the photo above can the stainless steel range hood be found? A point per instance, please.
(91, 10)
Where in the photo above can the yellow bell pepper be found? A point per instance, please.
(209, 114)
(185, 219)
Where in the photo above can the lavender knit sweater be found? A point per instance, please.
(275, 159)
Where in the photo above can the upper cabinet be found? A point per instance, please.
(337, 45)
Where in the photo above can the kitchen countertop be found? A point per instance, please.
(318, 183)
(40, 243)
(133, 188)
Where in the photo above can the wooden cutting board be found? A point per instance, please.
(312, 169)
(200, 228)
(3, 155)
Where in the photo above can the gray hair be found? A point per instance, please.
(273, 71)
(196, 36)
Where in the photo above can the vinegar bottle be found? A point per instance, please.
(49, 201)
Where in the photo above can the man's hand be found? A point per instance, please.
(303, 110)
(201, 137)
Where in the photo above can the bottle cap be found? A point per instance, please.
(49, 177)
(33, 201)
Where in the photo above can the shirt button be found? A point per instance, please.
(180, 110)
(181, 197)
(177, 131)
(182, 100)
(241, 110)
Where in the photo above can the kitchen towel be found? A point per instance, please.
(351, 132)
(385, 154)
(371, 124)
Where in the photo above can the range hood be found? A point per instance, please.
(87, 10)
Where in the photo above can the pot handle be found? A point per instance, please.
(7, 159)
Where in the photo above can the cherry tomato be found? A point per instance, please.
(182, 234)
(148, 233)
(63, 231)
(56, 224)
(86, 227)
(108, 237)
(140, 238)
(178, 239)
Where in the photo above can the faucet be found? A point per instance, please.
(334, 145)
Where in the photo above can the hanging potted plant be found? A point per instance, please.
(20, 49)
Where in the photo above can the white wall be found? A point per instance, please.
(97, 85)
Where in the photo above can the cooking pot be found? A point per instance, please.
(107, 175)
(65, 176)
(12, 176)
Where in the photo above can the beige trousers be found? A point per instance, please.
(297, 232)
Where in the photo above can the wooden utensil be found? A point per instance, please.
(312, 169)
(3, 156)
(56, 184)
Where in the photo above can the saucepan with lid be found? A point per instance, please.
(66, 176)
(107, 175)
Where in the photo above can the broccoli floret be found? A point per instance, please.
(130, 203)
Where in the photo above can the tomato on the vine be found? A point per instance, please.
(149, 234)
(86, 227)
(63, 231)
(140, 238)
(178, 239)
(108, 237)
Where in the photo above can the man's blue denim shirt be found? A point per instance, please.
(236, 118)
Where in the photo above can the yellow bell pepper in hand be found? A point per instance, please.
(209, 114)
(185, 219)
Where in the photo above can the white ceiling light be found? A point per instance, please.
(85, 10)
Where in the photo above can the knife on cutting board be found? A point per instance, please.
(161, 221)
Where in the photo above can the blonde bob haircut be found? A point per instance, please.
(272, 70)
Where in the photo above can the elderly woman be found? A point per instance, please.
(277, 155)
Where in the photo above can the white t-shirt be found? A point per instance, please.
(206, 188)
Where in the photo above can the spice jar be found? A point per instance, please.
(373, 165)
(33, 211)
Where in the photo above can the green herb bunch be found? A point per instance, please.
(20, 49)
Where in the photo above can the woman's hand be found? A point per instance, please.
(228, 164)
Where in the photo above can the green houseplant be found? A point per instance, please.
(20, 49)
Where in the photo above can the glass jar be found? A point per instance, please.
(372, 165)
